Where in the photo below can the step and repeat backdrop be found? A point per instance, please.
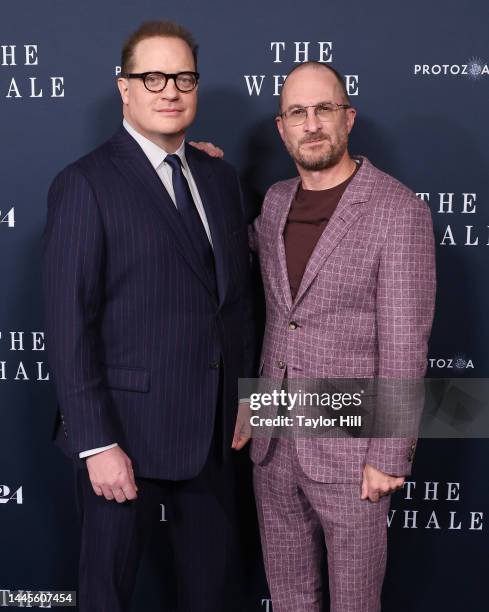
(417, 73)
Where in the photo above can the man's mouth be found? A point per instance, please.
(315, 141)
(169, 111)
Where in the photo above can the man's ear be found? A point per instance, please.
(350, 118)
(123, 85)
(280, 126)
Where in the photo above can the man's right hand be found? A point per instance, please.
(209, 148)
(111, 475)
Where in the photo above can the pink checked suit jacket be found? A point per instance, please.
(364, 308)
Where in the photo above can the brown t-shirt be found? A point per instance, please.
(308, 216)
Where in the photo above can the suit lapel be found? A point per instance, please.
(215, 212)
(283, 273)
(347, 212)
(128, 156)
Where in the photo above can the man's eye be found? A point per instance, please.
(153, 78)
(324, 108)
(297, 112)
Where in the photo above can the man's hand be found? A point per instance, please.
(375, 483)
(111, 475)
(242, 430)
(208, 148)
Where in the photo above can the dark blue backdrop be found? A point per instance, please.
(418, 71)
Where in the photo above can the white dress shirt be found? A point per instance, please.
(156, 156)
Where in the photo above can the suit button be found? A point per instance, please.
(293, 325)
(281, 364)
(214, 365)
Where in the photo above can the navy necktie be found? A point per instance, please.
(191, 218)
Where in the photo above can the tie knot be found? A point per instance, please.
(174, 161)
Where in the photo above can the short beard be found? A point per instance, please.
(328, 160)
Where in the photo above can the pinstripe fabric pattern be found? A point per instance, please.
(295, 513)
(206, 561)
(364, 308)
(134, 333)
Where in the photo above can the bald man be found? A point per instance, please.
(347, 259)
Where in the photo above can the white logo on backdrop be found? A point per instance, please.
(7, 217)
(17, 85)
(475, 68)
(8, 495)
(432, 515)
(19, 341)
(451, 363)
(296, 52)
(458, 204)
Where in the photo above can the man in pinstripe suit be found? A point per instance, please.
(148, 330)
(347, 260)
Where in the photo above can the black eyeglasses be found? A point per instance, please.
(157, 81)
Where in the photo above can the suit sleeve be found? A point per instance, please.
(254, 227)
(248, 369)
(405, 305)
(73, 262)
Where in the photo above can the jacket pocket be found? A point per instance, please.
(127, 379)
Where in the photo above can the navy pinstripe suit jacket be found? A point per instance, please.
(135, 335)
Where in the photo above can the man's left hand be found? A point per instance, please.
(242, 430)
(376, 484)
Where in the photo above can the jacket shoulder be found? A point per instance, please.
(217, 165)
(89, 165)
(282, 188)
(394, 195)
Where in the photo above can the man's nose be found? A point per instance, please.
(170, 92)
(312, 123)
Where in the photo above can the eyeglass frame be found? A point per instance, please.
(167, 75)
(283, 114)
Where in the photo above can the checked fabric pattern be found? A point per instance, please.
(364, 308)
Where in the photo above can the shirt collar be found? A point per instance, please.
(153, 152)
